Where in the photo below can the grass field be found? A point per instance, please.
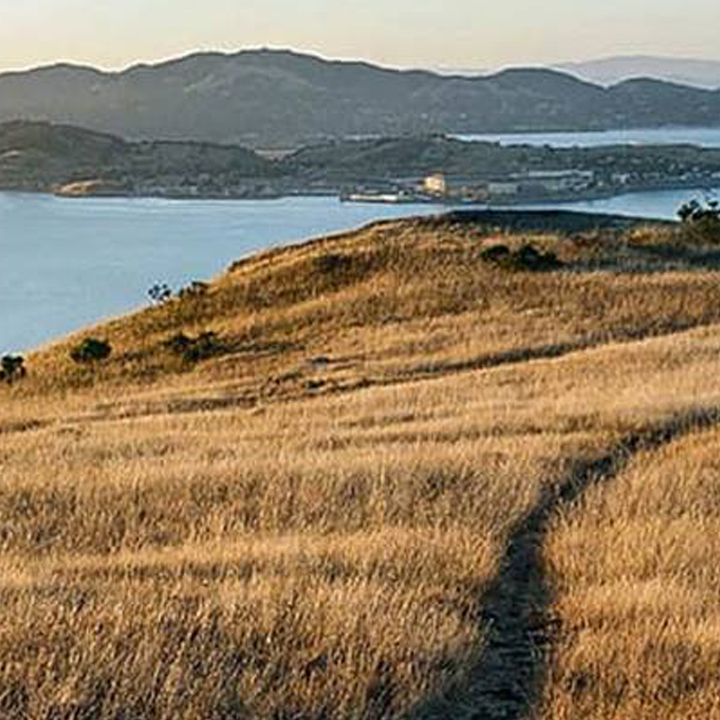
(398, 481)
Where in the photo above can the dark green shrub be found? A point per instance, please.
(194, 290)
(12, 368)
(178, 344)
(530, 258)
(526, 258)
(701, 222)
(193, 350)
(496, 253)
(160, 293)
(91, 350)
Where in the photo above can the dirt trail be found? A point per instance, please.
(507, 679)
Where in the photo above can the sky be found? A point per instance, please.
(403, 33)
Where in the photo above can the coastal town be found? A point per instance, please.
(436, 188)
(533, 186)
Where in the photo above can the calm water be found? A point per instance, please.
(705, 137)
(65, 264)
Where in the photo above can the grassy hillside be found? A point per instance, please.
(408, 475)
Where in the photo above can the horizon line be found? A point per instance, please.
(436, 69)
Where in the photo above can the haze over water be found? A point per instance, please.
(704, 137)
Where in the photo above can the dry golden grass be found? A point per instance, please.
(395, 297)
(640, 623)
(305, 525)
(312, 559)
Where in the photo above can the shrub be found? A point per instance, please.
(527, 258)
(91, 350)
(12, 368)
(160, 293)
(193, 350)
(178, 344)
(530, 258)
(496, 253)
(194, 290)
(701, 221)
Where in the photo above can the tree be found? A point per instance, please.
(12, 368)
(91, 350)
(701, 221)
(160, 293)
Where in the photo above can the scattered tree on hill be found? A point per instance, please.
(159, 293)
(12, 368)
(526, 257)
(194, 349)
(91, 350)
(194, 290)
(701, 221)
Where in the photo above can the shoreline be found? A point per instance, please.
(520, 200)
(515, 217)
(509, 202)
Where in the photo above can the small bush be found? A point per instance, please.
(12, 368)
(194, 290)
(91, 350)
(159, 293)
(178, 344)
(527, 258)
(193, 350)
(701, 222)
(496, 253)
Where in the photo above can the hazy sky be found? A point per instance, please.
(429, 33)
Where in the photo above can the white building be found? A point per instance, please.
(435, 184)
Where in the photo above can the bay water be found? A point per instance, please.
(703, 137)
(67, 264)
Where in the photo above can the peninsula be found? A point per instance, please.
(74, 162)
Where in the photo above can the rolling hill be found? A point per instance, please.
(41, 155)
(383, 474)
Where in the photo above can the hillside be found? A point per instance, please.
(417, 156)
(265, 97)
(409, 475)
(41, 155)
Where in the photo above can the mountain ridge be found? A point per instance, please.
(269, 97)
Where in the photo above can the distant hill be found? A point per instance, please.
(390, 158)
(684, 71)
(39, 155)
(267, 97)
